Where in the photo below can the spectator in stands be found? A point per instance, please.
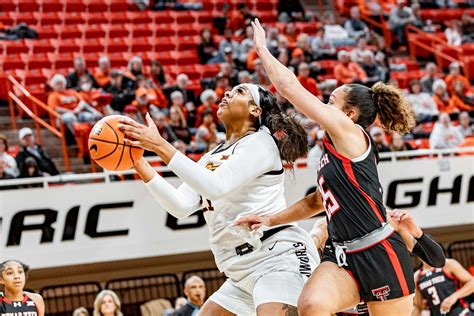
(397, 144)
(220, 23)
(314, 154)
(163, 127)
(381, 61)
(195, 291)
(9, 163)
(158, 75)
(122, 90)
(102, 75)
(69, 104)
(440, 95)
(334, 32)
(182, 85)
(355, 26)
(80, 70)
(154, 92)
(207, 49)
(347, 71)
(454, 33)
(422, 103)
(180, 302)
(290, 33)
(207, 132)
(246, 44)
(272, 40)
(177, 101)
(4, 174)
(320, 47)
(222, 85)
(244, 77)
(378, 135)
(100, 102)
(307, 82)
(208, 100)
(467, 27)
(259, 76)
(81, 311)
(290, 10)
(358, 53)
(465, 127)
(455, 74)
(459, 101)
(133, 113)
(428, 79)
(178, 124)
(229, 42)
(29, 169)
(143, 102)
(230, 72)
(284, 58)
(29, 148)
(134, 68)
(303, 46)
(240, 18)
(399, 18)
(107, 303)
(444, 134)
(374, 72)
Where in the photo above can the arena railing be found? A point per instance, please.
(462, 251)
(113, 176)
(16, 92)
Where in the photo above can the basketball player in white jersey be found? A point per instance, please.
(266, 269)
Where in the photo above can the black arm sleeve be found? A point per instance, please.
(429, 251)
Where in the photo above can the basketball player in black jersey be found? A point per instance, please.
(367, 261)
(13, 300)
(441, 288)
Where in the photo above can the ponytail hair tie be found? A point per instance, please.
(279, 135)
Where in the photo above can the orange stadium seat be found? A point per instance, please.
(187, 29)
(165, 58)
(34, 77)
(165, 30)
(48, 18)
(117, 31)
(75, 6)
(118, 5)
(16, 47)
(52, 5)
(68, 31)
(186, 57)
(141, 30)
(118, 18)
(117, 59)
(92, 45)
(25, 17)
(73, 18)
(162, 17)
(28, 6)
(140, 44)
(184, 17)
(36, 60)
(93, 30)
(47, 31)
(96, 18)
(188, 42)
(61, 60)
(91, 59)
(115, 44)
(203, 16)
(96, 6)
(66, 45)
(164, 44)
(139, 17)
(12, 62)
(7, 6)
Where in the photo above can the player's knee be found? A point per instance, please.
(309, 305)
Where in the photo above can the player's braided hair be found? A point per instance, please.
(288, 134)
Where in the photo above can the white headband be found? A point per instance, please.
(253, 88)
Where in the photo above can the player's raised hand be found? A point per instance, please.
(402, 219)
(254, 222)
(259, 40)
(139, 135)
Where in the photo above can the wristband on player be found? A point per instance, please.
(429, 251)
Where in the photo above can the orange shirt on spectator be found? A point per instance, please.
(157, 97)
(236, 21)
(220, 92)
(310, 85)
(102, 79)
(251, 56)
(455, 102)
(349, 73)
(203, 108)
(443, 106)
(67, 99)
(450, 79)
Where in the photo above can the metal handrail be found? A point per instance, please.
(14, 100)
(105, 175)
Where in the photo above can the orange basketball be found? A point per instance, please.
(107, 148)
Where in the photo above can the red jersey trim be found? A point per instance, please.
(396, 266)
(347, 164)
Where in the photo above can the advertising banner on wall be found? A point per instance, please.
(89, 223)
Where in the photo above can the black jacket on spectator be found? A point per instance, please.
(188, 95)
(289, 6)
(203, 51)
(73, 80)
(44, 161)
(185, 310)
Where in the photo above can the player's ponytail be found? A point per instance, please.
(289, 135)
(395, 113)
(393, 110)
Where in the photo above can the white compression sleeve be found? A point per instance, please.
(252, 158)
(180, 202)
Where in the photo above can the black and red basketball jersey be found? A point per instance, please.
(435, 285)
(25, 307)
(351, 192)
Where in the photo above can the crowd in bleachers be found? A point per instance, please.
(324, 53)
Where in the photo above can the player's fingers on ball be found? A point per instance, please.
(133, 135)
